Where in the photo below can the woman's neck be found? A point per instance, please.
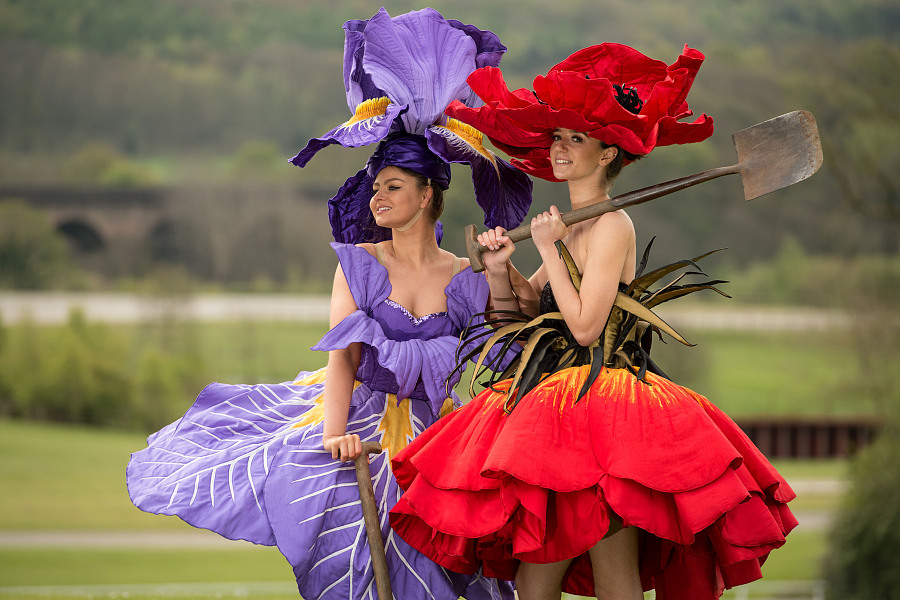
(416, 246)
(586, 192)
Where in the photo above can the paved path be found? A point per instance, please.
(54, 307)
(187, 537)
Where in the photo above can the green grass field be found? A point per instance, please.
(744, 373)
(749, 373)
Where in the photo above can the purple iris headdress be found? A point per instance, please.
(400, 74)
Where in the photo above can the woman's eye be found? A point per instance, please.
(576, 138)
(393, 187)
(556, 138)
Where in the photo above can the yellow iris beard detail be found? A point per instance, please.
(447, 407)
(470, 135)
(316, 377)
(368, 109)
(316, 414)
(313, 415)
(396, 425)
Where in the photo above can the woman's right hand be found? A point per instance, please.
(345, 447)
(499, 249)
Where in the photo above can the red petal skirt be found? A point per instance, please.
(488, 489)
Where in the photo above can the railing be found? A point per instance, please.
(805, 437)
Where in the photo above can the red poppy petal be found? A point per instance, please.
(579, 94)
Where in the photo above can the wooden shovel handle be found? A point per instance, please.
(523, 232)
(372, 522)
(771, 155)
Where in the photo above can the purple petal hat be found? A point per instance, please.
(400, 74)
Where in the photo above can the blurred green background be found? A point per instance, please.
(201, 102)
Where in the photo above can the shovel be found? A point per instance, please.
(373, 524)
(771, 155)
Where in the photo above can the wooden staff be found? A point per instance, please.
(372, 522)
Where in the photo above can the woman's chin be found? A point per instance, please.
(383, 221)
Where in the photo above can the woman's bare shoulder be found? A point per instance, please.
(612, 223)
(616, 218)
(460, 262)
(464, 263)
(368, 247)
(613, 231)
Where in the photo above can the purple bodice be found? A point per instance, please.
(401, 326)
(402, 354)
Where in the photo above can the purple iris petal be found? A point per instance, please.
(351, 219)
(488, 53)
(361, 133)
(503, 193)
(312, 147)
(357, 83)
(419, 61)
(438, 231)
(488, 48)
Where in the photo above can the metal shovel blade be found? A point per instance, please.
(777, 153)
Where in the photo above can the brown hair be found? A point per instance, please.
(615, 165)
(437, 194)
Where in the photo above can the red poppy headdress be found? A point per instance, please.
(610, 91)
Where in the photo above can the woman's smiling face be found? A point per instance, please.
(396, 197)
(575, 155)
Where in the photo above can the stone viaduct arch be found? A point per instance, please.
(112, 229)
(232, 232)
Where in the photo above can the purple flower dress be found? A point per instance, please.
(247, 461)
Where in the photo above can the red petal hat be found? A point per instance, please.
(610, 91)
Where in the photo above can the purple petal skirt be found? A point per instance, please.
(247, 462)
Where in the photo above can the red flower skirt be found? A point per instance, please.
(488, 489)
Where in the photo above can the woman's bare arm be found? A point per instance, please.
(607, 247)
(509, 289)
(340, 375)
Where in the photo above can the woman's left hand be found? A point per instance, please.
(547, 227)
(344, 448)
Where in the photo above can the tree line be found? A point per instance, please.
(186, 89)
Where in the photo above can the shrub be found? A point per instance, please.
(865, 542)
(88, 373)
(796, 277)
(99, 164)
(32, 255)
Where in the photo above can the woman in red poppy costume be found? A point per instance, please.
(582, 468)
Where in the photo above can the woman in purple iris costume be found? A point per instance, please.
(268, 463)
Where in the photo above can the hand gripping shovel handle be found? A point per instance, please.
(771, 155)
(523, 232)
(373, 524)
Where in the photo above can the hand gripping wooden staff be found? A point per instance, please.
(771, 155)
(373, 524)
